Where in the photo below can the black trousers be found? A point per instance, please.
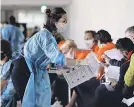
(61, 90)
(94, 94)
(20, 76)
(86, 92)
(105, 98)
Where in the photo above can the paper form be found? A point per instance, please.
(77, 76)
(113, 72)
(114, 54)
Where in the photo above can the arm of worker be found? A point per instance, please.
(48, 44)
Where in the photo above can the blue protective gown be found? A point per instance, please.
(39, 51)
(13, 34)
(8, 91)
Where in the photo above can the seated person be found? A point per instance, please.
(127, 50)
(130, 33)
(7, 88)
(129, 81)
(126, 46)
(70, 50)
(129, 76)
(104, 42)
(90, 41)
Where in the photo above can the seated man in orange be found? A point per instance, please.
(90, 40)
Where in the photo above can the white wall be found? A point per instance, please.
(2, 16)
(34, 2)
(112, 15)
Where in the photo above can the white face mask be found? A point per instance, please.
(100, 45)
(70, 54)
(89, 43)
(61, 27)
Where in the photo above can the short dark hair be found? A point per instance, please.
(92, 32)
(103, 36)
(130, 29)
(5, 49)
(53, 16)
(12, 20)
(125, 44)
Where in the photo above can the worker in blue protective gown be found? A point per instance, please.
(39, 51)
(14, 35)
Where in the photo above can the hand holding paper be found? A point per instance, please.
(107, 59)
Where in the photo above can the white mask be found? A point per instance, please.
(100, 45)
(89, 43)
(61, 27)
(70, 54)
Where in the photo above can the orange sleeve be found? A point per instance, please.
(82, 54)
(95, 49)
(100, 53)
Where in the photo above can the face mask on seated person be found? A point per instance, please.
(100, 45)
(70, 54)
(89, 43)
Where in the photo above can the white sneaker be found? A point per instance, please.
(57, 104)
(129, 101)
